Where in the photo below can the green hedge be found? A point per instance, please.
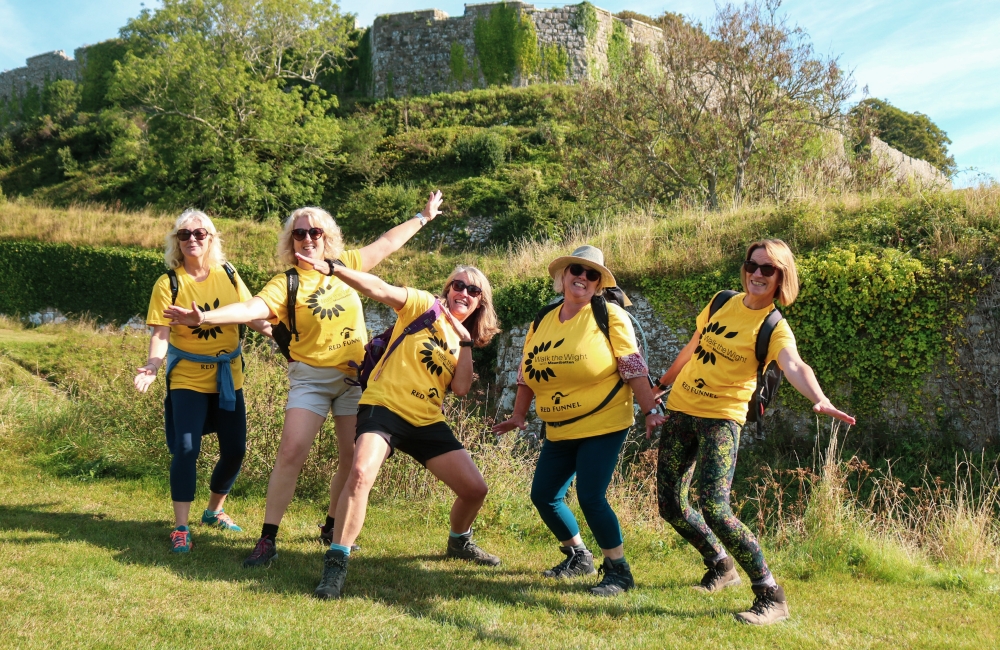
(110, 284)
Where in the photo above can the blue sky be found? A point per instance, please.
(940, 58)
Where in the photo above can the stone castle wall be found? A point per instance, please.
(41, 68)
(411, 51)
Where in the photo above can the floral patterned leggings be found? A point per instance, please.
(688, 442)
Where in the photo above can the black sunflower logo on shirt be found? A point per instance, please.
(427, 354)
(316, 303)
(529, 368)
(704, 355)
(203, 332)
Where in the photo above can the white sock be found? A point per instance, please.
(767, 581)
(719, 558)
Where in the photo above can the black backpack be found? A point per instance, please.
(599, 305)
(769, 378)
(281, 333)
(230, 272)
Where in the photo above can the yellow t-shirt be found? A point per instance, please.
(211, 293)
(328, 316)
(572, 367)
(720, 378)
(420, 370)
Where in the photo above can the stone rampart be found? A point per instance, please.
(39, 69)
(411, 52)
(907, 169)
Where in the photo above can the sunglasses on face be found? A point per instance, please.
(767, 270)
(579, 269)
(458, 286)
(199, 233)
(299, 234)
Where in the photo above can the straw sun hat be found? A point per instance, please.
(589, 256)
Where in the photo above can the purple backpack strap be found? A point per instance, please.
(422, 322)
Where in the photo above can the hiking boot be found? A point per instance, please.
(617, 579)
(720, 575)
(768, 607)
(180, 540)
(577, 563)
(334, 574)
(265, 551)
(463, 548)
(326, 538)
(220, 520)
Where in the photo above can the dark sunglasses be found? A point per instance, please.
(471, 289)
(767, 270)
(299, 234)
(199, 233)
(578, 269)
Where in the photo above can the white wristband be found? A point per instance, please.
(421, 218)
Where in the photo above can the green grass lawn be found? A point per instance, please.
(85, 562)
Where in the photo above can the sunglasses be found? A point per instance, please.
(471, 289)
(299, 234)
(767, 270)
(578, 269)
(199, 233)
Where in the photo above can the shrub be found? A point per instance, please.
(482, 151)
(372, 210)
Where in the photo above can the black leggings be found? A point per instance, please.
(191, 411)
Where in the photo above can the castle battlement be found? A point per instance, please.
(41, 68)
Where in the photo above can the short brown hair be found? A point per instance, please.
(781, 255)
(482, 324)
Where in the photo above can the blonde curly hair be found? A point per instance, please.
(173, 257)
(333, 240)
(483, 323)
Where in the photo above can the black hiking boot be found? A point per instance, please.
(578, 562)
(720, 575)
(265, 551)
(334, 574)
(617, 579)
(768, 607)
(463, 548)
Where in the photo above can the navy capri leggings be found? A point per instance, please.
(592, 461)
(195, 414)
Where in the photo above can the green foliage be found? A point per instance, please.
(110, 284)
(506, 44)
(374, 209)
(517, 302)
(912, 133)
(619, 47)
(458, 64)
(553, 62)
(586, 17)
(97, 73)
(482, 151)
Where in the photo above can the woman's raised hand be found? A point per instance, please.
(459, 328)
(826, 408)
(319, 265)
(513, 422)
(433, 207)
(145, 377)
(179, 316)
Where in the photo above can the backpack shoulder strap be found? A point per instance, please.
(337, 261)
(421, 322)
(599, 305)
(231, 272)
(174, 287)
(292, 281)
(543, 312)
(719, 300)
(764, 335)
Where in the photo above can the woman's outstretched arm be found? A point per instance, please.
(236, 313)
(392, 240)
(364, 283)
(802, 377)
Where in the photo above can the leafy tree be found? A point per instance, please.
(225, 92)
(912, 133)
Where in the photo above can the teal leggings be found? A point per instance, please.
(592, 461)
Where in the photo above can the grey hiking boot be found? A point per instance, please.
(720, 575)
(334, 574)
(768, 607)
(463, 548)
(617, 579)
(577, 563)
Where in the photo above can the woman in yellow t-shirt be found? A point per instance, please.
(331, 334)
(401, 406)
(204, 371)
(714, 378)
(582, 381)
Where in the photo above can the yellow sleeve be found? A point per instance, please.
(417, 302)
(781, 338)
(622, 333)
(159, 301)
(275, 296)
(351, 259)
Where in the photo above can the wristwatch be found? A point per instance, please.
(660, 386)
(466, 344)
(421, 218)
(652, 411)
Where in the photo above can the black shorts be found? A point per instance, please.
(422, 443)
